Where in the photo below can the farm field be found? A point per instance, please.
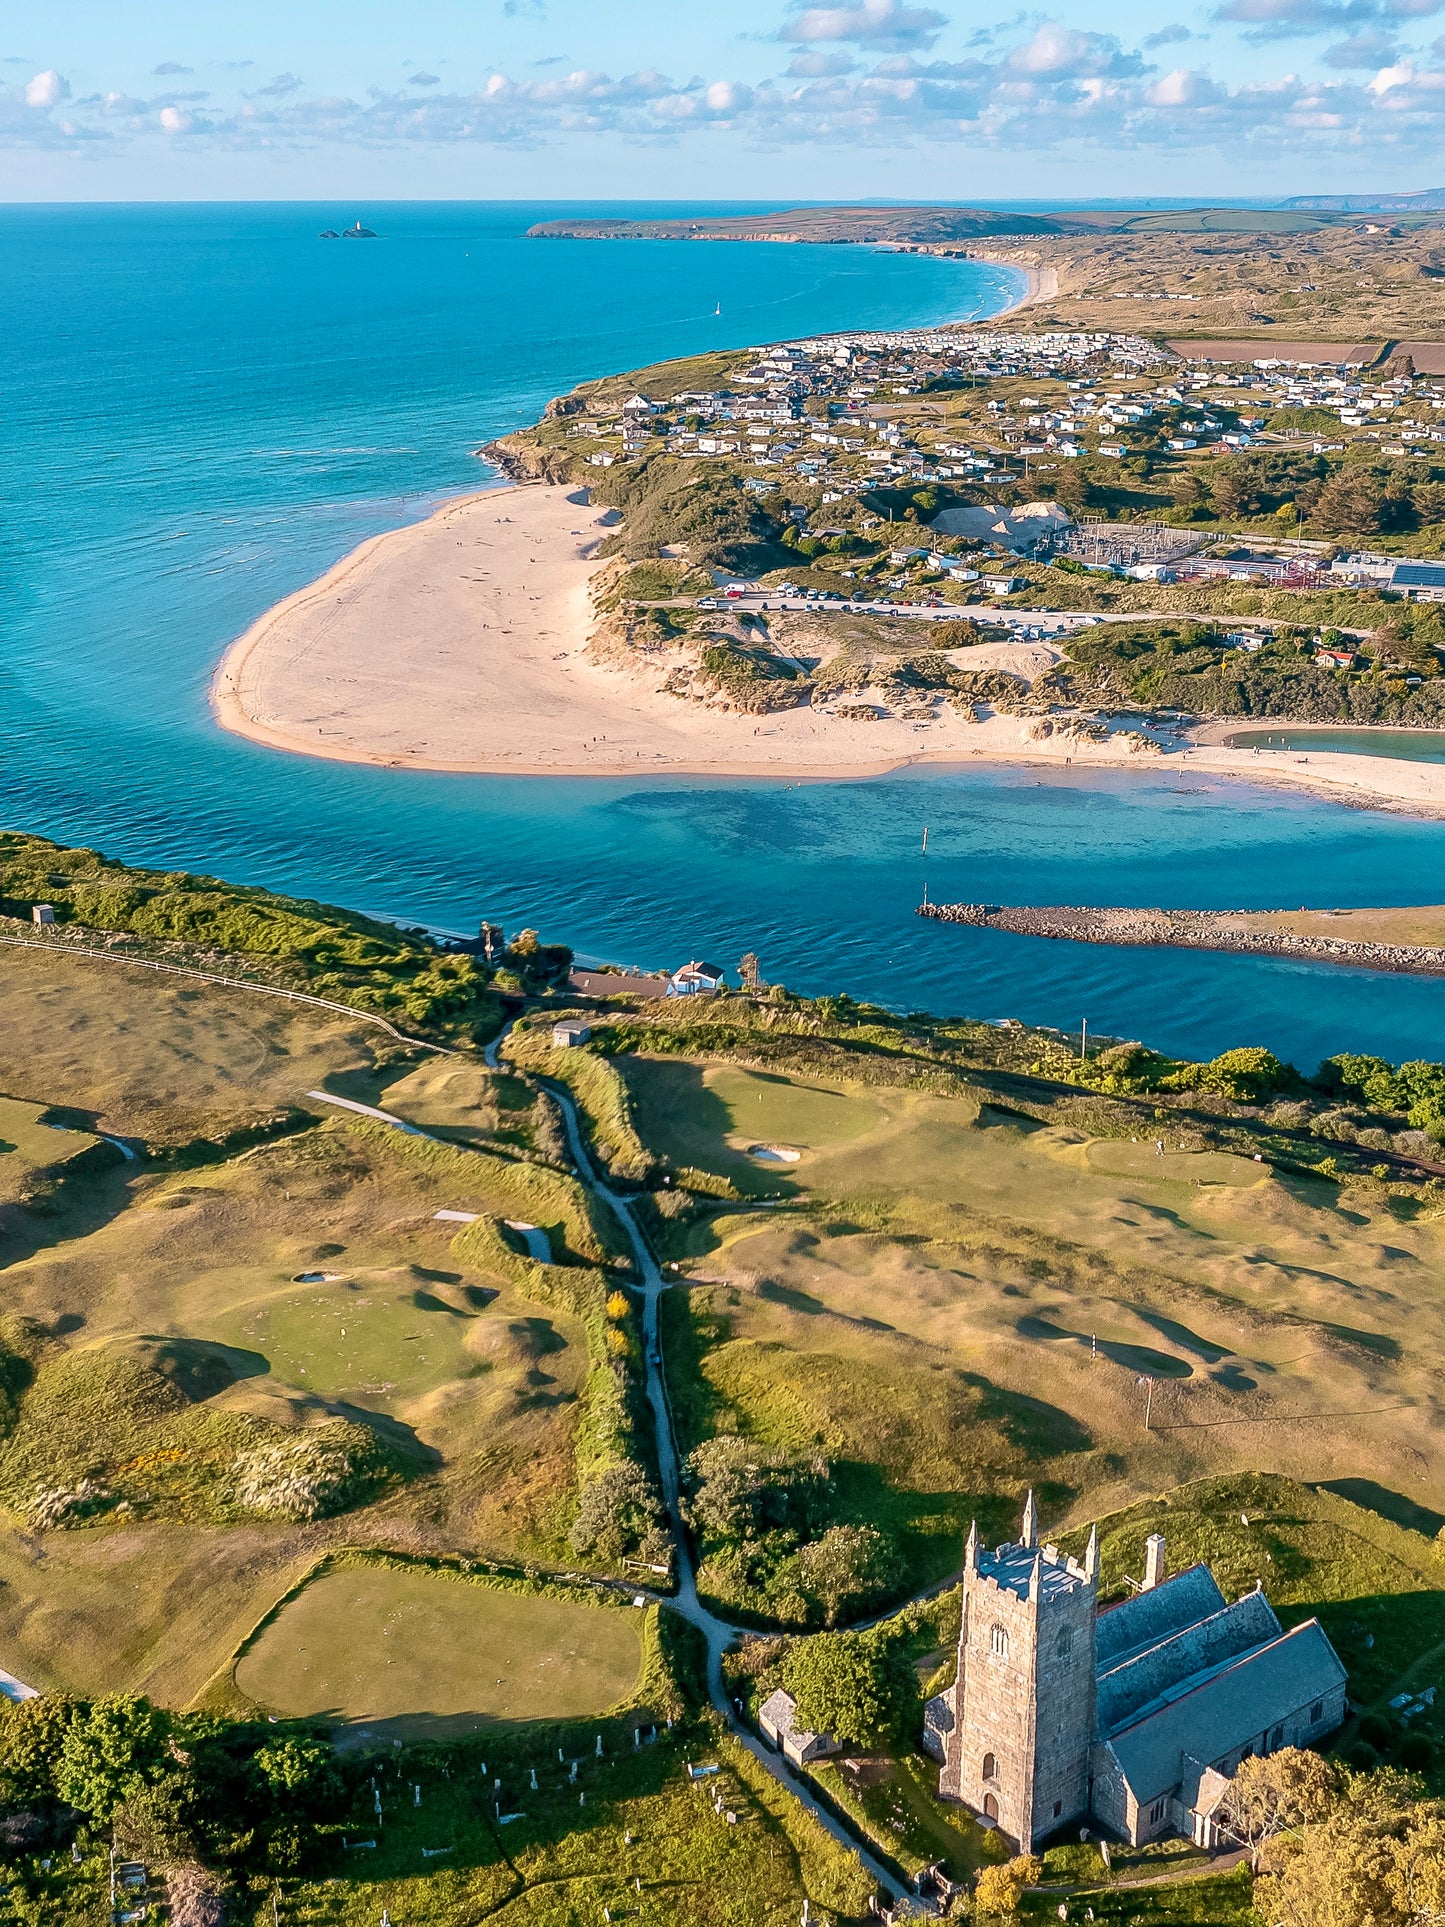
(409, 1654)
(952, 1302)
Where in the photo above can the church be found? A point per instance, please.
(1133, 1716)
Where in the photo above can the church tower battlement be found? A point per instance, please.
(1023, 1724)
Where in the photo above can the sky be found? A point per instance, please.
(770, 101)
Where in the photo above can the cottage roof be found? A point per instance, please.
(780, 1710)
(1142, 1676)
(1150, 1616)
(1210, 1716)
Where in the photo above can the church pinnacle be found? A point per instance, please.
(1029, 1536)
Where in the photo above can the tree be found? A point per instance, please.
(1290, 1788)
(1249, 1075)
(1334, 1874)
(32, 1733)
(858, 1687)
(740, 1490)
(155, 1823)
(1416, 1881)
(617, 1510)
(1351, 502)
(300, 1769)
(112, 1749)
(999, 1890)
(849, 1565)
(1229, 489)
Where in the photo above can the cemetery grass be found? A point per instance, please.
(953, 1302)
(561, 1861)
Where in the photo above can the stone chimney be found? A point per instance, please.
(1153, 1560)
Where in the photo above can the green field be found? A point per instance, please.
(953, 1302)
(413, 1654)
(238, 1297)
(155, 1057)
(711, 1117)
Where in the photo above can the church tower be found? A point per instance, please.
(1023, 1712)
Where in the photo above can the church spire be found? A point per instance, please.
(970, 1547)
(1030, 1533)
(1091, 1554)
(1036, 1579)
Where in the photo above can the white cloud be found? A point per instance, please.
(1030, 86)
(870, 22)
(47, 89)
(1061, 51)
(817, 65)
(168, 67)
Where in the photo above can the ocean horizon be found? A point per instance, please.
(205, 406)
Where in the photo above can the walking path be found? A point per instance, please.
(718, 1633)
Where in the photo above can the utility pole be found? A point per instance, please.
(1083, 1040)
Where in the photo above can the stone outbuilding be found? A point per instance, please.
(777, 1717)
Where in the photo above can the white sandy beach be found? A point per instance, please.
(460, 643)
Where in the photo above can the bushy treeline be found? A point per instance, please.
(328, 952)
(775, 1539)
(1410, 1094)
(1189, 666)
(167, 1788)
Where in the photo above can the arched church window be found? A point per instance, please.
(1066, 1641)
(998, 1640)
(990, 1766)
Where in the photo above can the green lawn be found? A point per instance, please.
(430, 1653)
(709, 1118)
(378, 1339)
(895, 1802)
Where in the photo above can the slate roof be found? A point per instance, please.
(779, 1709)
(1142, 1676)
(1159, 1613)
(1212, 1714)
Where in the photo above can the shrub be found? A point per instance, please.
(858, 1687)
(618, 1513)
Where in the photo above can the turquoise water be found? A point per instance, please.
(201, 408)
(1405, 745)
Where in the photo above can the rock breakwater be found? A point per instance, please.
(1186, 929)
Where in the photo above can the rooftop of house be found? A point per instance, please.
(1159, 1612)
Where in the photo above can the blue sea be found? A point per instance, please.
(202, 407)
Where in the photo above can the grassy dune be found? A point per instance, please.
(158, 1058)
(1010, 1283)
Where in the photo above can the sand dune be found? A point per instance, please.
(461, 644)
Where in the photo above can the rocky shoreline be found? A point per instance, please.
(1185, 929)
